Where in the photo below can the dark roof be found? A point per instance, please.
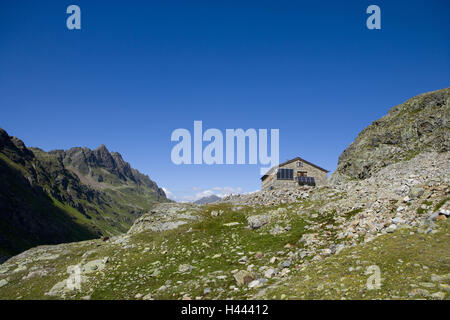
(290, 161)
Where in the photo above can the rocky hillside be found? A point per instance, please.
(306, 243)
(320, 243)
(421, 124)
(61, 196)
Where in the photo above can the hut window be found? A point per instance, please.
(285, 174)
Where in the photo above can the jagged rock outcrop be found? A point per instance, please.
(421, 124)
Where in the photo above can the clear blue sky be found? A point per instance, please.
(138, 70)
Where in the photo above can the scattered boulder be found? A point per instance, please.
(77, 276)
(259, 255)
(277, 229)
(165, 216)
(185, 268)
(285, 264)
(437, 278)
(439, 295)
(271, 272)
(3, 282)
(58, 289)
(216, 213)
(416, 192)
(256, 283)
(419, 292)
(256, 222)
(94, 265)
(147, 297)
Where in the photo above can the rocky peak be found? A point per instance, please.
(85, 159)
(13, 146)
(103, 158)
(421, 124)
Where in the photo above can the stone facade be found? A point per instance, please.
(300, 167)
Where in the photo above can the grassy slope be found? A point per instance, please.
(150, 260)
(406, 259)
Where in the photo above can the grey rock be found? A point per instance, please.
(419, 292)
(166, 216)
(185, 268)
(255, 284)
(94, 265)
(256, 222)
(444, 286)
(439, 295)
(243, 277)
(3, 283)
(285, 264)
(147, 297)
(416, 192)
(277, 229)
(269, 273)
(216, 213)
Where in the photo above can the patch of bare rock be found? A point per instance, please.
(166, 216)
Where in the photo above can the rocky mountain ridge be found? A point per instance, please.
(85, 162)
(60, 196)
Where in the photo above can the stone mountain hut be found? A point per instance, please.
(293, 173)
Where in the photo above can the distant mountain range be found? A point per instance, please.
(67, 195)
(209, 199)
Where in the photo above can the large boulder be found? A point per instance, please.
(256, 222)
(243, 277)
(165, 216)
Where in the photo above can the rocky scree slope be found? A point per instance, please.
(61, 196)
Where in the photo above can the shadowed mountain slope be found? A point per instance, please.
(62, 196)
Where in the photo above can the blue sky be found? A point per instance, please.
(138, 70)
